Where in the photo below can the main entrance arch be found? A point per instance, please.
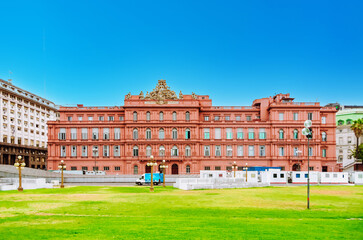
(296, 167)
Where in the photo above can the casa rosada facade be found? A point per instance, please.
(192, 135)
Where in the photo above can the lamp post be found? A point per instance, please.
(234, 167)
(94, 154)
(246, 168)
(152, 163)
(19, 164)
(62, 166)
(163, 166)
(308, 132)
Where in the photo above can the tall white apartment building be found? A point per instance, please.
(23, 125)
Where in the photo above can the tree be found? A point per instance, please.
(357, 153)
(357, 128)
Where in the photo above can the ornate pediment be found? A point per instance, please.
(161, 93)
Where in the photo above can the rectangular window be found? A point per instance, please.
(74, 168)
(63, 151)
(248, 118)
(217, 133)
(106, 133)
(206, 151)
(324, 152)
(310, 151)
(229, 150)
(121, 118)
(95, 151)
(229, 134)
(80, 118)
(251, 133)
(218, 151)
(262, 133)
(281, 116)
(73, 133)
(100, 118)
(62, 134)
(281, 151)
(238, 118)
(116, 151)
(206, 168)
(228, 118)
(106, 168)
(117, 168)
(216, 118)
(84, 133)
(310, 116)
(217, 168)
(295, 116)
(69, 118)
(206, 118)
(111, 118)
(90, 118)
(323, 120)
(84, 151)
(262, 151)
(239, 133)
(84, 168)
(95, 133)
(74, 151)
(206, 133)
(239, 151)
(117, 133)
(106, 151)
(251, 151)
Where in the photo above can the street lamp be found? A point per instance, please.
(234, 167)
(152, 163)
(163, 167)
(246, 168)
(62, 166)
(19, 164)
(308, 132)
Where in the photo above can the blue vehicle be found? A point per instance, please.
(146, 179)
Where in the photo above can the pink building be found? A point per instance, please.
(191, 134)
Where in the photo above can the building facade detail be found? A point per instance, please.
(191, 135)
(23, 123)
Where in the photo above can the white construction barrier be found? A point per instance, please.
(27, 183)
(302, 177)
(356, 177)
(334, 177)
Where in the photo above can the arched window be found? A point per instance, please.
(174, 151)
(161, 151)
(148, 133)
(148, 151)
(340, 122)
(147, 116)
(135, 151)
(187, 133)
(136, 169)
(175, 133)
(296, 134)
(281, 134)
(135, 134)
(187, 169)
(187, 116)
(349, 121)
(135, 116)
(323, 136)
(174, 116)
(161, 133)
(161, 116)
(188, 151)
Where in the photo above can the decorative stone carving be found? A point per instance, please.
(162, 92)
(128, 96)
(180, 95)
(141, 96)
(147, 97)
(194, 96)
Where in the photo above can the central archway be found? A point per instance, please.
(296, 167)
(147, 169)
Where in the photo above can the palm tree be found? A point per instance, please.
(357, 128)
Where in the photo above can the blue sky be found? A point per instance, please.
(95, 52)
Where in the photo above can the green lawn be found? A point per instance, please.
(135, 213)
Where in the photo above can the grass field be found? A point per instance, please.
(134, 213)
